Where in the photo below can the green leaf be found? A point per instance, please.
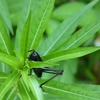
(90, 87)
(5, 42)
(52, 97)
(69, 92)
(24, 16)
(5, 14)
(24, 74)
(34, 86)
(69, 54)
(21, 59)
(4, 68)
(17, 97)
(81, 36)
(63, 32)
(25, 94)
(10, 81)
(39, 23)
(3, 77)
(9, 60)
(10, 94)
(33, 64)
(24, 37)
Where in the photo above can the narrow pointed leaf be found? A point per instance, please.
(4, 68)
(3, 77)
(39, 23)
(91, 87)
(33, 64)
(53, 97)
(24, 15)
(9, 60)
(81, 36)
(24, 37)
(5, 42)
(69, 92)
(69, 54)
(34, 86)
(25, 78)
(5, 14)
(21, 59)
(11, 79)
(10, 94)
(62, 33)
(25, 94)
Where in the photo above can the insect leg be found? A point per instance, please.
(57, 72)
(51, 71)
(47, 81)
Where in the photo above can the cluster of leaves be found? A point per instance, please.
(60, 45)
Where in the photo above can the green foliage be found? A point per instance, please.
(69, 54)
(64, 30)
(81, 36)
(70, 92)
(63, 44)
(5, 41)
(9, 60)
(66, 10)
(9, 82)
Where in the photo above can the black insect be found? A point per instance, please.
(34, 56)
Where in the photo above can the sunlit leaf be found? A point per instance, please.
(24, 37)
(25, 94)
(20, 57)
(25, 78)
(10, 95)
(39, 23)
(3, 77)
(9, 60)
(10, 81)
(34, 86)
(69, 92)
(33, 64)
(5, 42)
(69, 54)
